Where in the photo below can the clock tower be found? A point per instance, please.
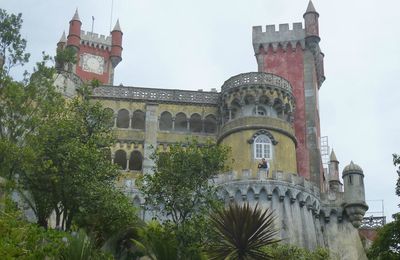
(97, 55)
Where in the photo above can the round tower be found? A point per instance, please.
(116, 45)
(257, 114)
(74, 35)
(311, 22)
(354, 193)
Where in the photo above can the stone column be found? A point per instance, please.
(173, 124)
(115, 120)
(150, 137)
(188, 124)
(127, 164)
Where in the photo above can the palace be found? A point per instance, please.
(272, 113)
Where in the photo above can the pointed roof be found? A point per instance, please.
(310, 8)
(117, 27)
(333, 158)
(63, 38)
(352, 168)
(76, 16)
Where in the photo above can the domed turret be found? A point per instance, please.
(354, 193)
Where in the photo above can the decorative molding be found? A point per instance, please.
(157, 95)
(257, 78)
(263, 132)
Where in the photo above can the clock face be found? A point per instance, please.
(93, 63)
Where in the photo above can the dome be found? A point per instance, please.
(352, 168)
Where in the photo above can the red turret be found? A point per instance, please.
(116, 45)
(74, 35)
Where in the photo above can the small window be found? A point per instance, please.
(350, 179)
(262, 147)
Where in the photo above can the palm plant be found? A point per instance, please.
(241, 232)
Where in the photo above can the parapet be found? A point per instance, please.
(282, 37)
(98, 40)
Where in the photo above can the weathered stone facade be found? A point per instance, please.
(272, 114)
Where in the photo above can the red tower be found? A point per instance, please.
(97, 55)
(296, 56)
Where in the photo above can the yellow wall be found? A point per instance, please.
(283, 153)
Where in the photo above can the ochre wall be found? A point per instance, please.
(283, 153)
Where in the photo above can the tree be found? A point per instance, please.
(241, 232)
(181, 189)
(12, 45)
(387, 243)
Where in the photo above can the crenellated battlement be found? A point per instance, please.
(281, 37)
(98, 40)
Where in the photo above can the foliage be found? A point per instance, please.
(12, 45)
(22, 240)
(65, 57)
(291, 252)
(181, 190)
(241, 232)
(396, 162)
(80, 247)
(180, 183)
(387, 243)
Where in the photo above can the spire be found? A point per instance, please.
(117, 27)
(310, 8)
(76, 16)
(333, 157)
(63, 39)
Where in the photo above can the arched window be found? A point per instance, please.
(260, 111)
(210, 124)
(135, 161)
(262, 147)
(180, 122)
(165, 121)
(195, 123)
(120, 159)
(110, 116)
(138, 120)
(123, 118)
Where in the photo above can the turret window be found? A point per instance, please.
(262, 147)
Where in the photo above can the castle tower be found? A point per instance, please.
(294, 54)
(334, 181)
(354, 193)
(257, 112)
(97, 55)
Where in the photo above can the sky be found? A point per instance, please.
(192, 44)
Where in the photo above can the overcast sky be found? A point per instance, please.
(187, 44)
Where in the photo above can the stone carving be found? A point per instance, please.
(160, 95)
(256, 78)
(263, 132)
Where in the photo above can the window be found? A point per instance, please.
(262, 147)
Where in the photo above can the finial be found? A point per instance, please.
(117, 27)
(76, 16)
(63, 38)
(332, 157)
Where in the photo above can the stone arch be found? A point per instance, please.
(277, 107)
(195, 123)
(120, 159)
(300, 199)
(264, 100)
(210, 124)
(262, 132)
(110, 115)
(249, 99)
(138, 120)
(136, 201)
(235, 108)
(277, 191)
(165, 121)
(238, 196)
(251, 195)
(181, 122)
(290, 195)
(308, 203)
(123, 118)
(263, 195)
(260, 111)
(135, 161)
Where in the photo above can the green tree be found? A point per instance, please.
(387, 243)
(241, 232)
(181, 189)
(12, 45)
